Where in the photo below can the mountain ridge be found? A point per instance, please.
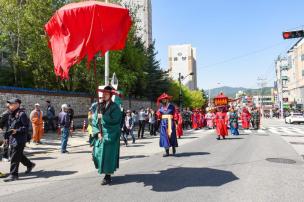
(231, 91)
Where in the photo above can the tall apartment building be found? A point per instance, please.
(292, 75)
(143, 10)
(182, 60)
(282, 80)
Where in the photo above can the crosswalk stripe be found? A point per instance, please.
(274, 131)
(297, 130)
(287, 131)
(261, 131)
(247, 131)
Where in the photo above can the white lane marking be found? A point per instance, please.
(261, 131)
(274, 131)
(287, 131)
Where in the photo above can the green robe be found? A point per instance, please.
(106, 152)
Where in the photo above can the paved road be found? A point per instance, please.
(205, 169)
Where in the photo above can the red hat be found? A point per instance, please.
(163, 96)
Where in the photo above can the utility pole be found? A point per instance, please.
(262, 83)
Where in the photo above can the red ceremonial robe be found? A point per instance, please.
(194, 121)
(221, 124)
(245, 120)
(179, 128)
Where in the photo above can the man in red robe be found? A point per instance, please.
(202, 119)
(221, 124)
(194, 120)
(245, 118)
(179, 123)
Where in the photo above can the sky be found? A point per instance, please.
(237, 41)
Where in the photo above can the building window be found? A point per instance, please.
(175, 59)
(184, 58)
(302, 57)
(302, 73)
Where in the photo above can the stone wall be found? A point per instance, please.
(80, 102)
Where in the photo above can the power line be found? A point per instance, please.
(242, 56)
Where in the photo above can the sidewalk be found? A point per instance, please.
(52, 166)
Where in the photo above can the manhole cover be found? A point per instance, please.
(281, 160)
(300, 143)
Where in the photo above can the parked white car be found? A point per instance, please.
(294, 118)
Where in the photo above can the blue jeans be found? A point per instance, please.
(64, 138)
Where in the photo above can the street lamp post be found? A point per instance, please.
(107, 62)
(180, 90)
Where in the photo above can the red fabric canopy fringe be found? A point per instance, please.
(83, 29)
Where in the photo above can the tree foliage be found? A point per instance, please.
(26, 60)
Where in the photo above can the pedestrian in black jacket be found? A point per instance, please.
(17, 134)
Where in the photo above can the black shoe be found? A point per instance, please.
(218, 138)
(30, 168)
(167, 153)
(224, 137)
(173, 151)
(107, 180)
(10, 178)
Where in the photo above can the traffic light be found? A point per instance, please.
(293, 34)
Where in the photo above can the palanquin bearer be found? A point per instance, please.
(106, 131)
(221, 121)
(166, 114)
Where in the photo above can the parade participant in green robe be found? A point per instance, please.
(106, 135)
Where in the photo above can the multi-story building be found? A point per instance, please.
(265, 102)
(281, 94)
(296, 74)
(290, 77)
(182, 60)
(143, 9)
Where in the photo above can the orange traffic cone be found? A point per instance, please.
(84, 126)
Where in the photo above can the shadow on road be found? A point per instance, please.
(145, 142)
(46, 174)
(136, 145)
(133, 157)
(175, 179)
(234, 138)
(187, 154)
(81, 152)
(42, 158)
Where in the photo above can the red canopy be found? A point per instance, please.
(83, 29)
(221, 100)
